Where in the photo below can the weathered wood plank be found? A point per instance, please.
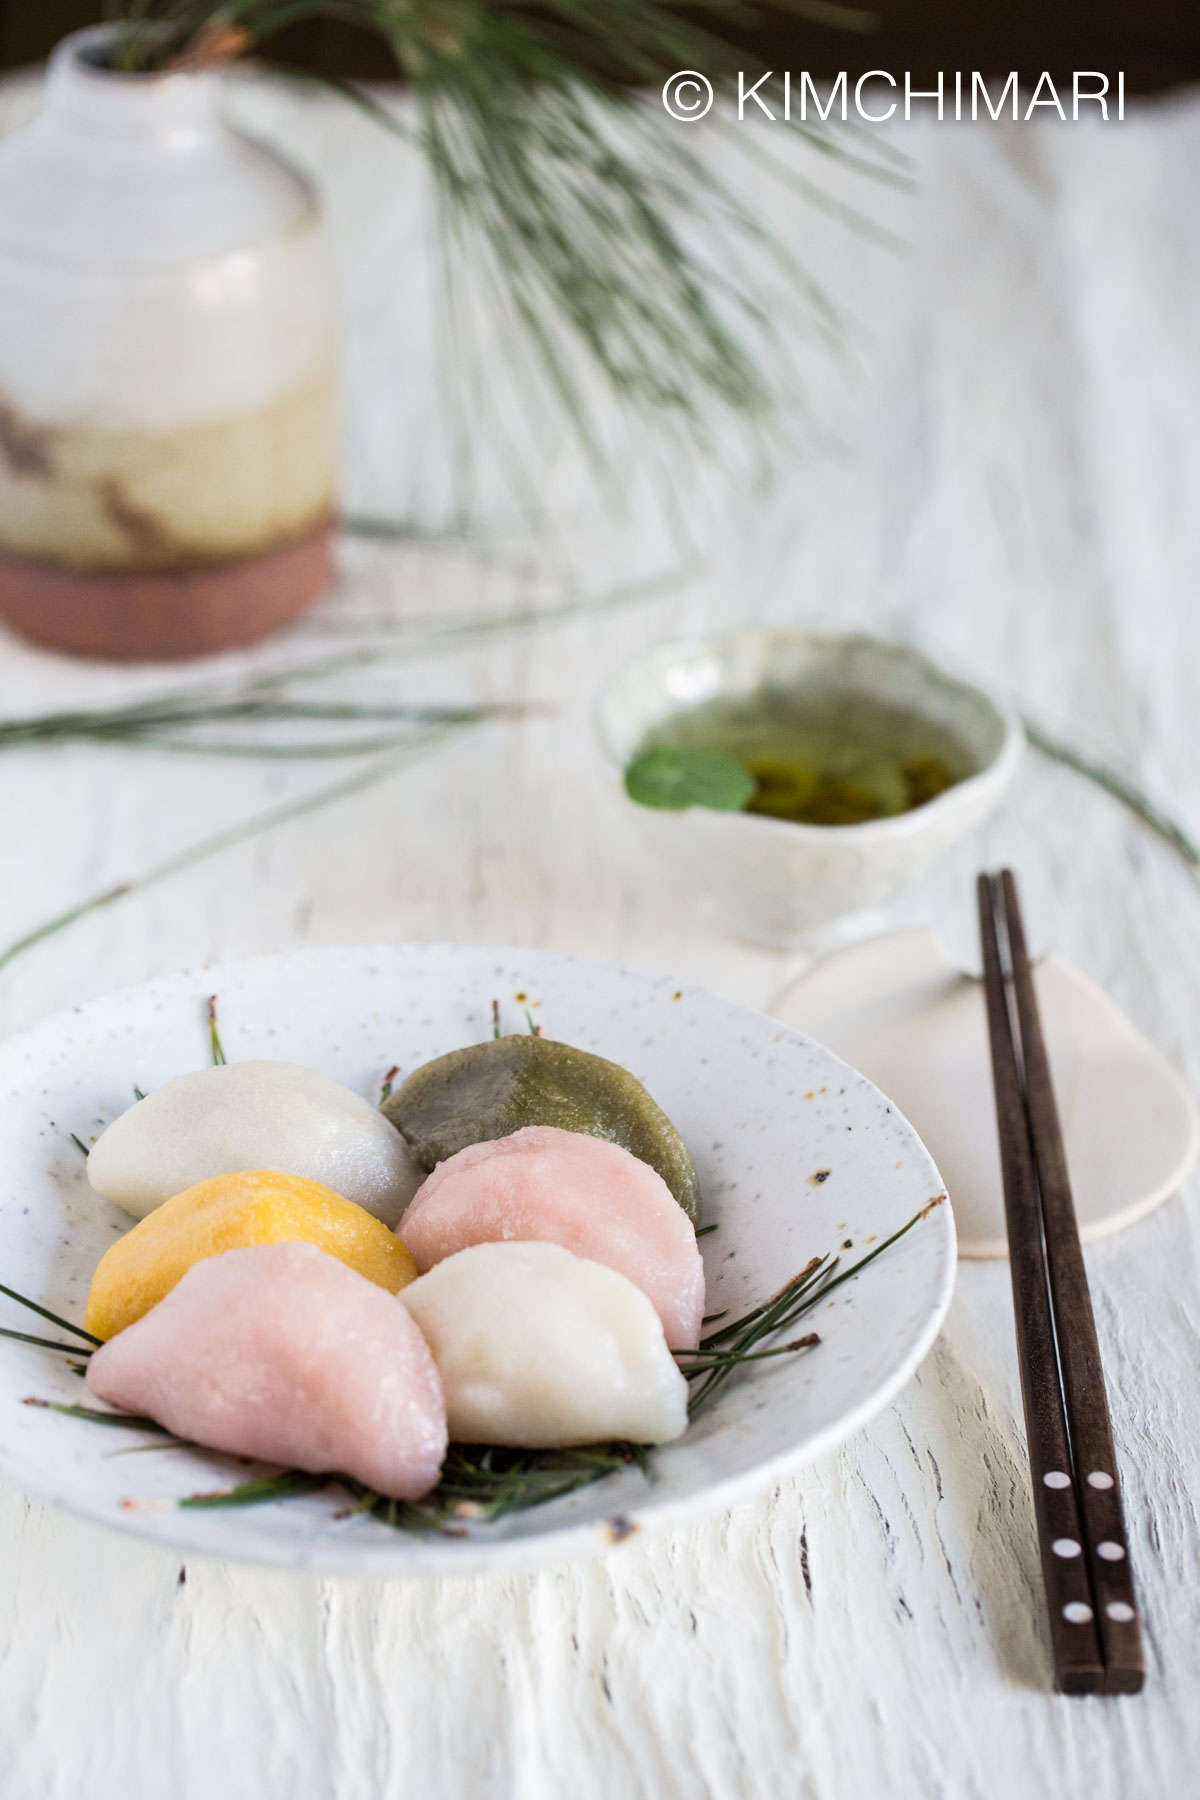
(1016, 484)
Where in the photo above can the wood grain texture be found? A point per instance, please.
(1010, 476)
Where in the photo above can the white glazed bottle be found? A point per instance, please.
(167, 405)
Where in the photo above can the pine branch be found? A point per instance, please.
(587, 214)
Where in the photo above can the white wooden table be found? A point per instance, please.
(1015, 478)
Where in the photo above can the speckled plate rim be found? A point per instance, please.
(177, 1530)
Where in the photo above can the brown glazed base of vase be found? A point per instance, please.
(168, 616)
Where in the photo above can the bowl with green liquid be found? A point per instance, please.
(801, 777)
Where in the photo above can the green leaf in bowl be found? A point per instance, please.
(674, 777)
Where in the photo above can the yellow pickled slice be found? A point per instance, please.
(232, 1212)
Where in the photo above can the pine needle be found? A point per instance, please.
(23, 1337)
(214, 1036)
(481, 1483)
(1120, 786)
(265, 697)
(261, 1490)
(582, 214)
(187, 858)
(94, 1416)
(54, 1318)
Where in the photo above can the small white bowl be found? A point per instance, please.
(779, 883)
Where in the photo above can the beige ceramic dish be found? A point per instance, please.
(901, 1010)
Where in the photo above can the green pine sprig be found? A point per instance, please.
(571, 206)
(126, 725)
(216, 1048)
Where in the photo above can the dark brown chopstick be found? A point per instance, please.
(1094, 1628)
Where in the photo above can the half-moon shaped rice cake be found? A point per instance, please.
(234, 1212)
(281, 1352)
(539, 1348)
(562, 1187)
(254, 1115)
(491, 1090)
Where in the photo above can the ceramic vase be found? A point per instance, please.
(167, 404)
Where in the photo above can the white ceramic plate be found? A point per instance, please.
(762, 1110)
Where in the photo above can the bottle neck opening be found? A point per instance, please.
(84, 90)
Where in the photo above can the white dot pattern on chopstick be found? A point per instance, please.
(1056, 1479)
(1077, 1612)
(1119, 1611)
(1099, 1479)
(1065, 1547)
(1111, 1552)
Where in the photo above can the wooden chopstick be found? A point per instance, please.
(1094, 1628)
(1078, 1664)
(1095, 1460)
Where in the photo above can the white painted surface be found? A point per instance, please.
(1017, 484)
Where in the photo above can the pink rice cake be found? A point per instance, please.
(563, 1187)
(283, 1353)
